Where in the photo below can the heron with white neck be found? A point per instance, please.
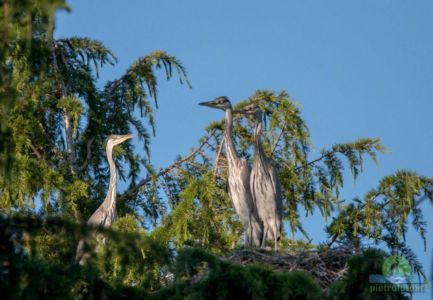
(264, 182)
(238, 177)
(106, 213)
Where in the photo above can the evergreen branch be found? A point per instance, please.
(88, 50)
(398, 199)
(70, 149)
(133, 190)
(131, 87)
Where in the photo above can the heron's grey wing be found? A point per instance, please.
(81, 256)
(80, 249)
(98, 217)
(245, 173)
(277, 188)
(256, 223)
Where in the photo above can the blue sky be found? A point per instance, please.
(359, 69)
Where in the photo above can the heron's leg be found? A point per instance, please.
(265, 232)
(275, 231)
(252, 233)
(257, 234)
(247, 227)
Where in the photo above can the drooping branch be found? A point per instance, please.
(397, 196)
(86, 50)
(141, 73)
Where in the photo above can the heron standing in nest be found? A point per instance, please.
(264, 182)
(238, 178)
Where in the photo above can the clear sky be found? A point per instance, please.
(359, 69)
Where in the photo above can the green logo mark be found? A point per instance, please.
(396, 265)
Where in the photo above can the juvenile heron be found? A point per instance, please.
(238, 178)
(106, 213)
(264, 182)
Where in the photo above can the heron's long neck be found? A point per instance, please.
(112, 189)
(231, 152)
(257, 134)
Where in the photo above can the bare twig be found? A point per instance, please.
(168, 169)
(332, 240)
(36, 151)
(220, 148)
(328, 153)
(278, 139)
(88, 157)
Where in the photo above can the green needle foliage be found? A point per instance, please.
(137, 266)
(20, 21)
(384, 214)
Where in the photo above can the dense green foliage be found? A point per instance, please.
(53, 123)
(223, 280)
(192, 273)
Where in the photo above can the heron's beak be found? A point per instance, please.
(126, 137)
(212, 104)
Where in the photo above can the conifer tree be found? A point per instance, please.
(59, 119)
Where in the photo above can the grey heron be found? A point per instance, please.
(264, 182)
(106, 213)
(238, 178)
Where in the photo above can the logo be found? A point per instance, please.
(396, 269)
(396, 276)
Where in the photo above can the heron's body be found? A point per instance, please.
(265, 186)
(239, 189)
(239, 179)
(106, 213)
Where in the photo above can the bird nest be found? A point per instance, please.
(326, 266)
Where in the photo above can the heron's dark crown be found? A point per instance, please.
(221, 102)
(222, 98)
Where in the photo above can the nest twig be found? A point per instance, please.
(326, 266)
